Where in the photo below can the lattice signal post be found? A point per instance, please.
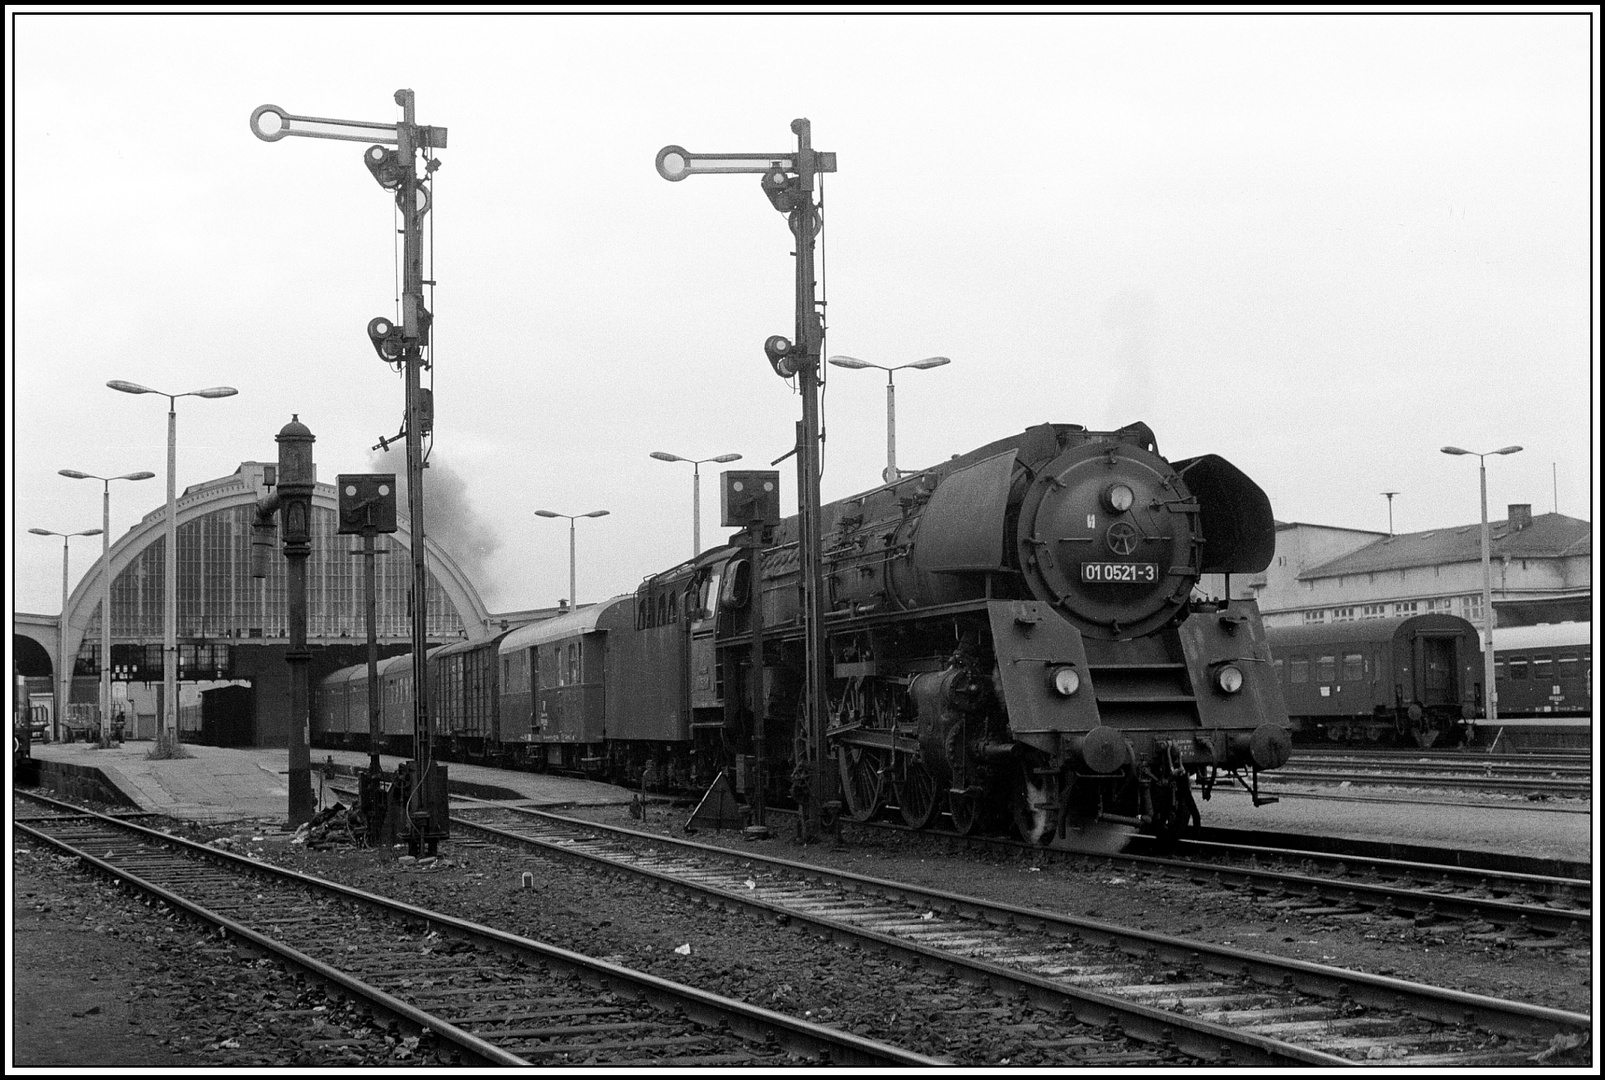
(788, 181)
(401, 346)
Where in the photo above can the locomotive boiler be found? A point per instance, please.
(1015, 634)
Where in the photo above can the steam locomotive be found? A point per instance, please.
(1013, 638)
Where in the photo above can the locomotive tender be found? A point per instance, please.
(1012, 635)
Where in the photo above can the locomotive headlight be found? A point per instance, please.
(1229, 677)
(1064, 680)
(1118, 498)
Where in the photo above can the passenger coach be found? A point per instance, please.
(1412, 680)
(1545, 678)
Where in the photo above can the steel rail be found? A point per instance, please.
(416, 1019)
(1208, 1041)
(1433, 1003)
(1338, 890)
(753, 1022)
(1472, 783)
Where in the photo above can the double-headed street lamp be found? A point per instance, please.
(696, 490)
(890, 474)
(105, 591)
(573, 601)
(64, 667)
(167, 738)
(1490, 696)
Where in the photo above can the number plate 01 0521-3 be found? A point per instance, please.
(1139, 573)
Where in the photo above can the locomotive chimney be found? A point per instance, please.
(1521, 516)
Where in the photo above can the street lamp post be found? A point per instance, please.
(1390, 495)
(64, 668)
(167, 738)
(105, 584)
(890, 474)
(1490, 695)
(696, 490)
(573, 601)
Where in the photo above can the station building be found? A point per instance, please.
(232, 627)
(1542, 569)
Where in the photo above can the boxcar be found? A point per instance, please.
(464, 702)
(1413, 680)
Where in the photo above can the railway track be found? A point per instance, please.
(1411, 774)
(1212, 1002)
(1457, 757)
(1532, 901)
(474, 994)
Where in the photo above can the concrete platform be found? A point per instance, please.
(218, 785)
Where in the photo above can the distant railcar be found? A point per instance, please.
(1545, 678)
(1415, 680)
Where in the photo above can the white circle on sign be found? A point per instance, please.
(384, 489)
(351, 489)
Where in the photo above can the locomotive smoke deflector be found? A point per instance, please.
(1234, 515)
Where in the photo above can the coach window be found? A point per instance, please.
(1298, 669)
(1353, 666)
(1544, 668)
(1518, 667)
(1276, 665)
(1567, 667)
(1326, 669)
(1499, 668)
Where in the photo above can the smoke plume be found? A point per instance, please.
(449, 517)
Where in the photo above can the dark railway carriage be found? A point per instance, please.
(333, 706)
(465, 700)
(1545, 678)
(1414, 680)
(1545, 670)
(396, 702)
(555, 687)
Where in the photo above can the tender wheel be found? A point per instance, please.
(965, 810)
(1034, 807)
(861, 782)
(916, 796)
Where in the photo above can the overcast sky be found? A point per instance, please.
(1321, 246)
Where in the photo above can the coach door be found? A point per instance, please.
(1436, 665)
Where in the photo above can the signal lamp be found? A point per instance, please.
(1118, 498)
(782, 356)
